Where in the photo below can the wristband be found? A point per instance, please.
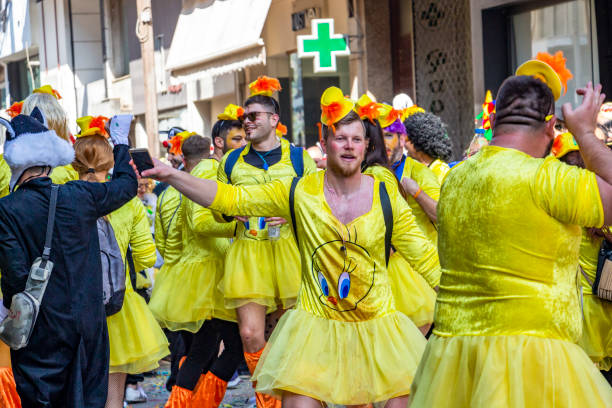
(417, 193)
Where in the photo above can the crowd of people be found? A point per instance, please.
(366, 269)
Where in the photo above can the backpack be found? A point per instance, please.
(385, 203)
(113, 268)
(296, 154)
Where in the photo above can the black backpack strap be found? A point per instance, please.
(296, 154)
(294, 183)
(131, 267)
(230, 162)
(50, 223)
(388, 216)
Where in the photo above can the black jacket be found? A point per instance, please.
(72, 312)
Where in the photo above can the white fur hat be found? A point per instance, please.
(30, 143)
(402, 101)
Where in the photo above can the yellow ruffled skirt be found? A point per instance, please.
(340, 362)
(263, 272)
(413, 295)
(183, 296)
(507, 371)
(137, 343)
(597, 331)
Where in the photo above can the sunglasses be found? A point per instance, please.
(252, 116)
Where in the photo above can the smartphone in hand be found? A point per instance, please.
(142, 158)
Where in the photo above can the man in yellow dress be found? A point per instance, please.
(344, 342)
(508, 310)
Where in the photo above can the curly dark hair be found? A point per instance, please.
(428, 134)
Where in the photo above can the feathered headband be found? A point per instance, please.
(334, 106)
(366, 108)
(550, 69)
(48, 90)
(264, 86)
(231, 112)
(176, 142)
(281, 130)
(92, 125)
(15, 109)
(391, 119)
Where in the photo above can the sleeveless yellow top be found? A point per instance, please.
(167, 225)
(509, 249)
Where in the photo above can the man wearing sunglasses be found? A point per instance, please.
(262, 266)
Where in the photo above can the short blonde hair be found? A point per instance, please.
(50, 107)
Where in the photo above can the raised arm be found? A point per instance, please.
(597, 157)
(202, 221)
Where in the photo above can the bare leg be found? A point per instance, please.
(291, 400)
(116, 386)
(271, 321)
(398, 402)
(252, 326)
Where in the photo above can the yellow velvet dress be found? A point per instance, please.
(508, 311)
(5, 177)
(137, 343)
(596, 337)
(169, 243)
(440, 169)
(64, 174)
(413, 295)
(185, 296)
(258, 269)
(344, 342)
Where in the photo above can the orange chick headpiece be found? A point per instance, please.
(563, 144)
(92, 125)
(176, 142)
(550, 69)
(48, 90)
(264, 86)
(281, 130)
(388, 115)
(334, 106)
(231, 112)
(15, 109)
(366, 108)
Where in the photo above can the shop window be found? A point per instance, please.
(567, 26)
(23, 78)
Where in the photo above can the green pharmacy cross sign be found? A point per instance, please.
(323, 45)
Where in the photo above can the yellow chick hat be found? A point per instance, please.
(91, 125)
(176, 142)
(264, 86)
(388, 115)
(563, 144)
(550, 69)
(231, 112)
(48, 90)
(366, 108)
(334, 106)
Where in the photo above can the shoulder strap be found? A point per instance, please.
(399, 170)
(388, 216)
(296, 154)
(230, 162)
(50, 222)
(292, 208)
(131, 266)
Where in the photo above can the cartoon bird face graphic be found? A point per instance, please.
(344, 272)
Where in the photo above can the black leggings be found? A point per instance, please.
(202, 356)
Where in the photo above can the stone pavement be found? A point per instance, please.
(155, 387)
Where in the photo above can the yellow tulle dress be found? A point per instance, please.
(185, 296)
(169, 243)
(413, 295)
(258, 269)
(137, 343)
(440, 169)
(64, 174)
(344, 343)
(508, 310)
(596, 337)
(5, 177)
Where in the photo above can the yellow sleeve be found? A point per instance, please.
(410, 241)
(310, 166)
(568, 193)
(160, 236)
(5, 177)
(427, 180)
(141, 241)
(221, 176)
(64, 174)
(202, 221)
(261, 200)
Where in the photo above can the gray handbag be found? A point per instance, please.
(17, 327)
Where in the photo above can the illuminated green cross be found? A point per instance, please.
(323, 45)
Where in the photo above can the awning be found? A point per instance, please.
(216, 37)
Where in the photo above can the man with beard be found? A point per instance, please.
(508, 311)
(262, 266)
(344, 342)
(227, 133)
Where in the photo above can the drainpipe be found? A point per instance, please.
(76, 99)
(104, 54)
(7, 90)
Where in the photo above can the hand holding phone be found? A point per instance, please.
(142, 159)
